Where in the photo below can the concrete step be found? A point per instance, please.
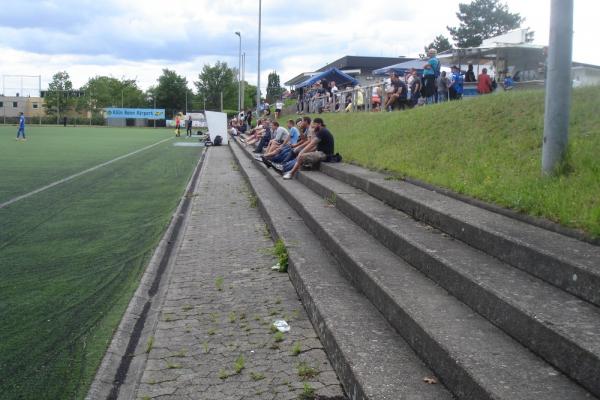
(472, 357)
(558, 326)
(565, 262)
(370, 358)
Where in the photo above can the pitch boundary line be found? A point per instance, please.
(70, 177)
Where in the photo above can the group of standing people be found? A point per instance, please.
(179, 120)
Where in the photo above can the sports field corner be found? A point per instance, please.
(71, 255)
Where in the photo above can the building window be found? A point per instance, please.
(35, 105)
(15, 104)
(1, 104)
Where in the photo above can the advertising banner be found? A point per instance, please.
(136, 113)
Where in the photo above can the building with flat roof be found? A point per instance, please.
(12, 106)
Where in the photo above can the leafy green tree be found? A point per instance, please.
(274, 89)
(440, 43)
(249, 95)
(57, 97)
(171, 92)
(482, 19)
(217, 79)
(106, 91)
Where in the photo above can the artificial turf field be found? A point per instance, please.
(72, 256)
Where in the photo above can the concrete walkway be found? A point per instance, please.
(214, 339)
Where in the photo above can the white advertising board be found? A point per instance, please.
(217, 125)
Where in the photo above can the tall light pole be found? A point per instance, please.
(558, 86)
(258, 84)
(239, 74)
(243, 79)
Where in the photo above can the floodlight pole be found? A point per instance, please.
(154, 111)
(558, 86)
(239, 73)
(243, 79)
(258, 84)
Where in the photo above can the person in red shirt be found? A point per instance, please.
(484, 82)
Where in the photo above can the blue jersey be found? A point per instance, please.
(22, 122)
(458, 80)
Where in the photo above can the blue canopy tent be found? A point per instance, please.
(402, 68)
(333, 74)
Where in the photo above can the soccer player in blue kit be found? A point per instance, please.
(21, 131)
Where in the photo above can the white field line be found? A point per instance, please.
(68, 178)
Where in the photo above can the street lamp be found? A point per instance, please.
(258, 83)
(239, 73)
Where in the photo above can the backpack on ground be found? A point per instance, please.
(334, 158)
(218, 140)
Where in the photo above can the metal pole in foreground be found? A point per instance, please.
(558, 86)
(258, 84)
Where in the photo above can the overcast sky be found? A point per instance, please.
(135, 39)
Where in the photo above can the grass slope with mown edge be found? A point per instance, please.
(71, 258)
(489, 148)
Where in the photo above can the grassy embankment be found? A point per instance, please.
(72, 256)
(488, 148)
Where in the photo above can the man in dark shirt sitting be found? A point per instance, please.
(320, 148)
(397, 98)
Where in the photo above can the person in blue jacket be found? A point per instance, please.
(21, 131)
(456, 84)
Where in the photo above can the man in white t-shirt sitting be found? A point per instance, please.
(280, 136)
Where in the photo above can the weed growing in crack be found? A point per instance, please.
(239, 364)
(306, 372)
(296, 349)
(149, 344)
(219, 283)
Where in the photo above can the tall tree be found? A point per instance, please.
(59, 95)
(440, 43)
(482, 19)
(217, 79)
(106, 91)
(249, 95)
(274, 89)
(171, 93)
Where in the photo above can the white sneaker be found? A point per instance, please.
(287, 175)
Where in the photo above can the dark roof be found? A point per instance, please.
(363, 62)
(578, 64)
(299, 78)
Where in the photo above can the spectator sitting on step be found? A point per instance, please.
(253, 134)
(281, 136)
(259, 132)
(286, 146)
(290, 152)
(265, 138)
(320, 148)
